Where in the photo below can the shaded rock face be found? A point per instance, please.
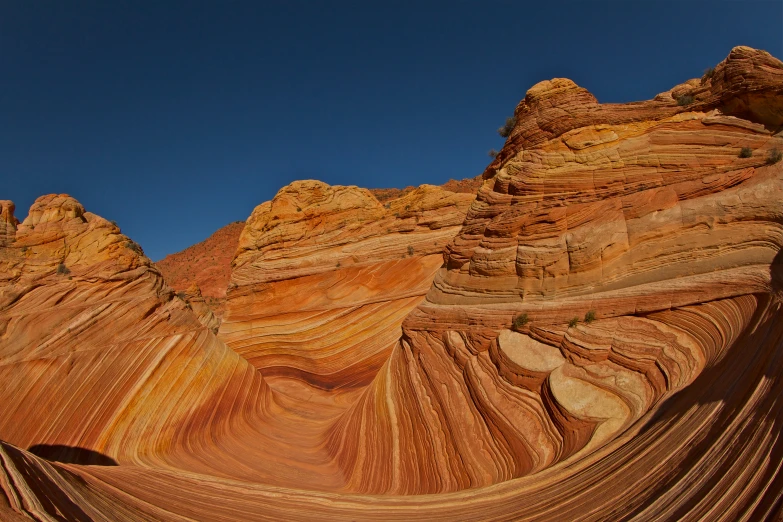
(206, 264)
(596, 336)
(8, 223)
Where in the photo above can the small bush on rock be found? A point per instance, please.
(746, 152)
(573, 322)
(708, 74)
(520, 321)
(774, 156)
(132, 245)
(590, 316)
(685, 99)
(505, 130)
(62, 269)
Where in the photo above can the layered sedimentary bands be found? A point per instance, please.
(324, 276)
(207, 265)
(595, 335)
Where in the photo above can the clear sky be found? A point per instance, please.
(176, 118)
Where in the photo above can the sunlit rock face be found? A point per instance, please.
(96, 354)
(636, 246)
(324, 276)
(597, 336)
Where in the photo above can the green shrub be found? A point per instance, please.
(62, 269)
(132, 245)
(492, 153)
(410, 250)
(685, 99)
(774, 156)
(181, 295)
(520, 321)
(505, 130)
(708, 74)
(573, 322)
(746, 152)
(590, 316)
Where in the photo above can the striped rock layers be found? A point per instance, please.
(614, 254)
(98, 357)
(324, 276)
(602, 338)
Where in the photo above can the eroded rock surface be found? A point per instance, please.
(602, 339)
(97, 355)
(324, 276)
(641, 221)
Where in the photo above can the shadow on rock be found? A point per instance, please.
(71, 455)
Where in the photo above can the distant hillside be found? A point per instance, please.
(208, 264)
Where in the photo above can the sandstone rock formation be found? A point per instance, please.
(600, 340)
(467, 186)
(208, 264)
(96, 353)
(324, 275)
(8, 223)
(199, 305)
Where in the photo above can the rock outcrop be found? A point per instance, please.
(208, 264)
(601, 338)
(8, 223)
(98, 358)
(324, 276)
(644, 220)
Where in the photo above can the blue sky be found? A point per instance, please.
(176, 118)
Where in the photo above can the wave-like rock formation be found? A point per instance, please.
(324, 276)
(601, 338)
(641, 218)
(96, 352)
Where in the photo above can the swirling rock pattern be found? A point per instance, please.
(96, 353)
(601, 339)
(324, 276)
